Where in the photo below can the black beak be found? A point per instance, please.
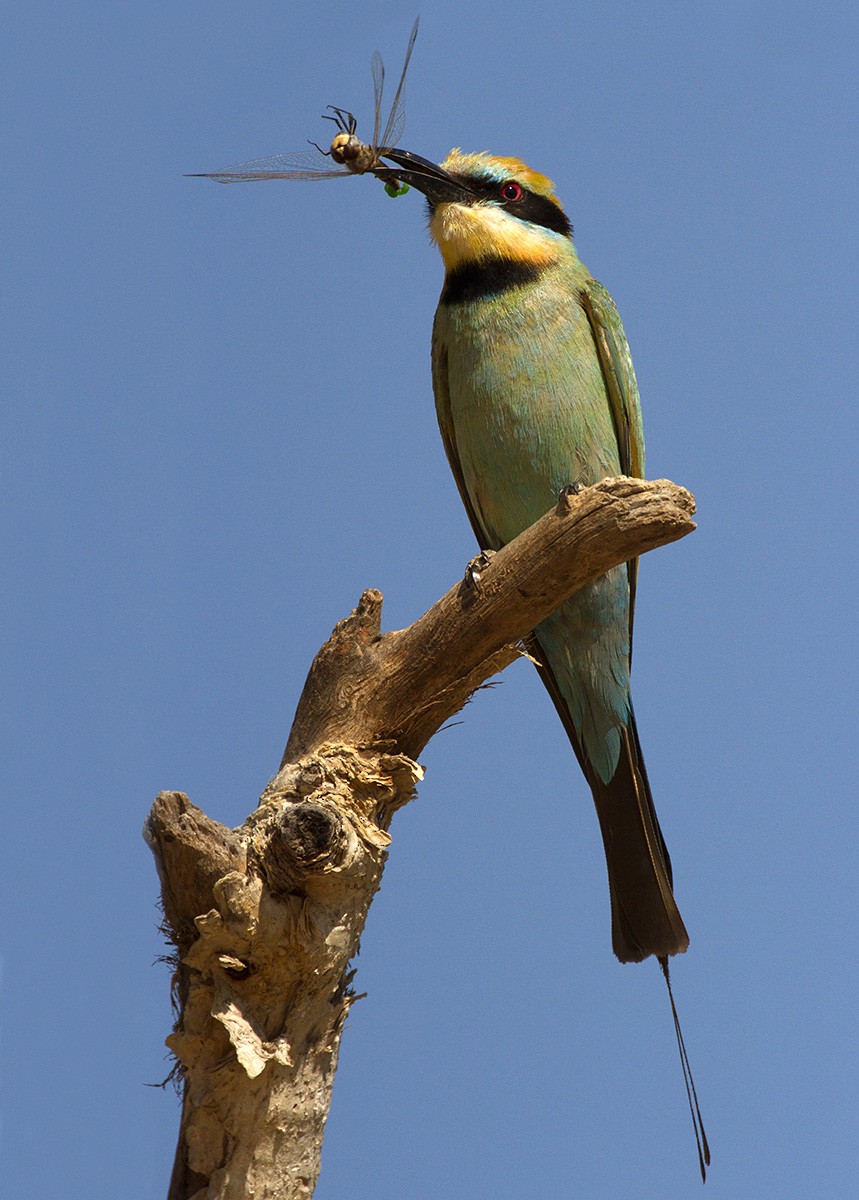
(437, 185)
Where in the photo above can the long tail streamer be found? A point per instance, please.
(691, 1094)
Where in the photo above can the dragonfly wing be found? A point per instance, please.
(378, 69)
(301, 165)
(397, 119)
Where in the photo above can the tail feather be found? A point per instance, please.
(645, 918)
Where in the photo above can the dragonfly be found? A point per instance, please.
(347, 152)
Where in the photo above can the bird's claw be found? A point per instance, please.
(567, 492)
(473, 571)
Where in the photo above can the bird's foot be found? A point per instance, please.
(477, 565)
(567, 492)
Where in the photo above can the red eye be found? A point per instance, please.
(511, 192)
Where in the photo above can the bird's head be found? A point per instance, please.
(485, 207)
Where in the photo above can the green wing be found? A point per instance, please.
(621, 389)
(448, 437)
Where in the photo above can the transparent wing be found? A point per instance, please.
(378, 69)
(304, 164)
(397, 118)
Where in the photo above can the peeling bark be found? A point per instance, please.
(266, 918)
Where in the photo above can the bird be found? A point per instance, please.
(535, 391)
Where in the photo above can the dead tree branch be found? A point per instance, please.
(267, 918)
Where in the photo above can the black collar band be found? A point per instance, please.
(486, 278)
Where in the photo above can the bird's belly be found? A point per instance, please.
(529, 412)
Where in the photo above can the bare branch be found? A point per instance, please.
(366, 687)
(267, 918)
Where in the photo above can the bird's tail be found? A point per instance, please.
(645, 918)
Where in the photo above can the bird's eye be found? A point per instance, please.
(511, 191)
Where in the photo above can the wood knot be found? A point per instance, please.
(304, 839)
(310, 831)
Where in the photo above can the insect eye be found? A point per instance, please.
(511, 191)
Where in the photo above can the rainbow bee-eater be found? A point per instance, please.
(535, 390)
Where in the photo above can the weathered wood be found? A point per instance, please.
(263, 983)
(400, 687)
(267, 918)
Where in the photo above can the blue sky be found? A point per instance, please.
(220, 429)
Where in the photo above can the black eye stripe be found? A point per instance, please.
(539, 210)
(531, 206)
